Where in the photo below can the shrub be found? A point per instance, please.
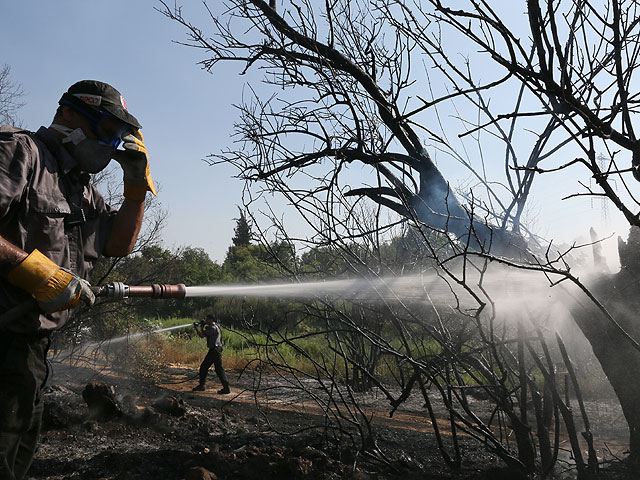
(144, 358)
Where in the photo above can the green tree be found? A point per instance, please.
(242, 232)
(195, 267)
(247, 263)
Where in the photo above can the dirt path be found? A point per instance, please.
(418, 423)
(607, 421)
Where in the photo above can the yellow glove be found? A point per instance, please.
(135, 165)
(53, 287)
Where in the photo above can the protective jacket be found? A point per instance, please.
(48, 204)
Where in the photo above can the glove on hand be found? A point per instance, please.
(53, 287)
(135, 165)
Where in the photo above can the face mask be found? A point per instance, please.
(92, 155)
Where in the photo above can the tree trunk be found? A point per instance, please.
(619, 359)
(437, 206)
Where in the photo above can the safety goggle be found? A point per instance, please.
(113, 139)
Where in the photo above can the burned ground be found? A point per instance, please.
(166, 431)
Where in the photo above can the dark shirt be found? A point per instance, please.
(214, 338)
(41, 190)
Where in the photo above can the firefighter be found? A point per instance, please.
(54, 225)
(211, 330)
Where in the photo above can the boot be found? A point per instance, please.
(224, 390)
(199, 388)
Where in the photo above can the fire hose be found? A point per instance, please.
(116, 291)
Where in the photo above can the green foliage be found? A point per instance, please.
(322, 262)
(245, 264)
(401, 254)
(257, 264)
(196, 268)
(175, 321)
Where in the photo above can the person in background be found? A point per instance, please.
(54, 225)
(211, 330)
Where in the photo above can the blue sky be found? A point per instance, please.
(186, 112)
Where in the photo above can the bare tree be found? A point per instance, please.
(580, 66)
(408, 345)
(11, 94)
(370, 83)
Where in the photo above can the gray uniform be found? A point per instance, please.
(214, 339)
(214, 355)
(45, 203)
(42, 205)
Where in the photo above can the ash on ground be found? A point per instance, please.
(106, 425)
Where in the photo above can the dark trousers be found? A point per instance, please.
(23, 373)
(214, 357)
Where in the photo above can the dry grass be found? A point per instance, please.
(179, 350)
(158, 351)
